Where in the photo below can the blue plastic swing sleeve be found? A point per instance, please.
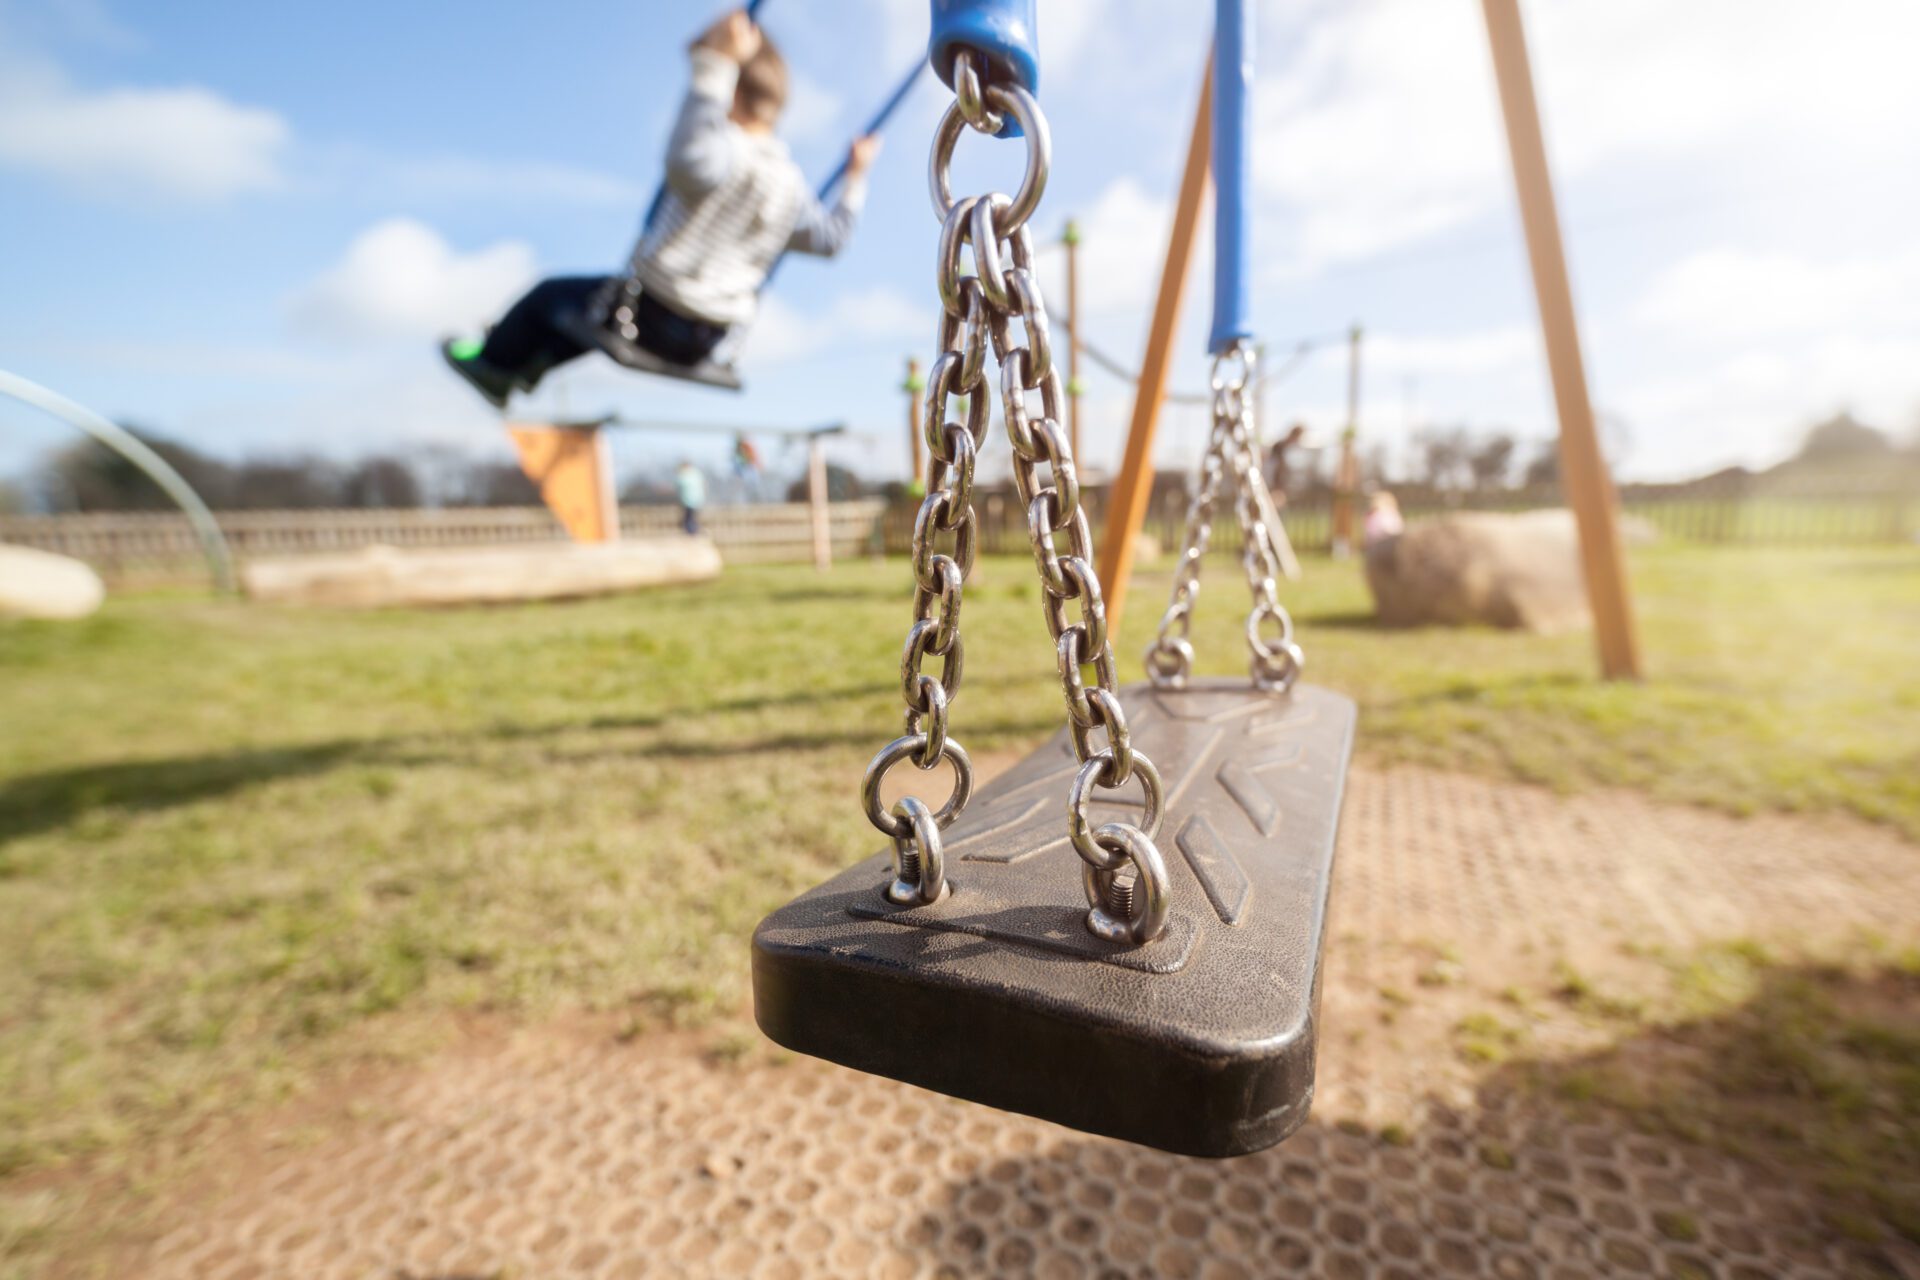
(1005, 31)
(1232, 105)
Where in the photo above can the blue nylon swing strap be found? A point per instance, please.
(840, 171)
(1232, 105)
(874, 125)
(1003, 31)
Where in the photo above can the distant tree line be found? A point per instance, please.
(1455, 459)
(87, 476)
(1462, 459)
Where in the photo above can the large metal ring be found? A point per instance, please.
(1096, 771)
(1147, 917)
(919, 862)
(904, 748)
(1033, 184)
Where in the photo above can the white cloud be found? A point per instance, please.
(783, 334)
(400, 279)
(1752, 406)
(812, 110)
(191, 143)
(1123, 242)
(1738, 295)
(1453, 354)
(1382, 127)
(181, 142)
(1770, 341)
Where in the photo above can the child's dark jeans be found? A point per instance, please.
(527, 342)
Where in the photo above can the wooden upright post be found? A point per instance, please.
(1584, 478)
(1071, 238)
(913, 386)
(1127, 508)
(1346, 474)
(817, 503)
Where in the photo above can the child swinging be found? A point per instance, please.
(733, 203)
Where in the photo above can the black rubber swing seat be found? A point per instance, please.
(1201, 1042)
(591, 333)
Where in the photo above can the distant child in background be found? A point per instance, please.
(746, 465)
(1280, 466)
(690, 486)
(735, 201)
(1383, 519)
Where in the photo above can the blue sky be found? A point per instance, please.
(244, 225)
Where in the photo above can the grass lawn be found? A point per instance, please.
(237, 841)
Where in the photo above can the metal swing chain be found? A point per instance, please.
(1125, 877)
(1276, 663)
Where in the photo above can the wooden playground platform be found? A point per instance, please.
(376, 577)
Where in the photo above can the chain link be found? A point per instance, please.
(998, 306)
(1231, 457)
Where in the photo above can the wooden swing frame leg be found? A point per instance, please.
(1584, 479)
(572, 467)
(1127, 507)
(1588, 485)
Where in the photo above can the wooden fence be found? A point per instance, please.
(1775, 519)
(149, 549)
(143, 549)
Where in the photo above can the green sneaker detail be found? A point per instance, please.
(465, 348)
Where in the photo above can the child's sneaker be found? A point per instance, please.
(463, 357)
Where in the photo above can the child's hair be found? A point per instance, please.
(762, 88)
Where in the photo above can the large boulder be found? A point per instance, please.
(1520, 571)
(39, 584)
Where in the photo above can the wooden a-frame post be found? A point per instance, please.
(1127, 506)
(1583, 472)
(1589, 488)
